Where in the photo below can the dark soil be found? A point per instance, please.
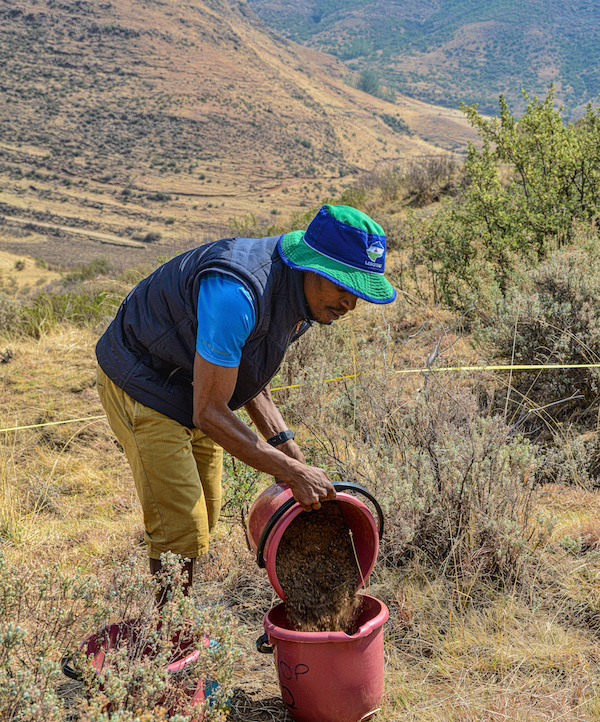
(317, 570)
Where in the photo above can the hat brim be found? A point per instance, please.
(372, 287)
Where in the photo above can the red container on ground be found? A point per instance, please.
(97, 646)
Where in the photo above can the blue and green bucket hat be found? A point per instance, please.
(345, 246)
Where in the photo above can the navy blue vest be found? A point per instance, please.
(148, 350)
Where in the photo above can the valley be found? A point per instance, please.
(167, 124)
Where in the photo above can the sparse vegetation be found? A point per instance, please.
(96, 150)
(41, 619)
(550, 315)
(97, 267)
(489, 481)
(396, 123)
(368, 82)
(47, 309)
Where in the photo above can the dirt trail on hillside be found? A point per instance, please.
(95, 235)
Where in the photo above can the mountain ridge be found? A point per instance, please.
(447, 51)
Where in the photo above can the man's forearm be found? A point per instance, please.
(268, 420)
(310, 485)
(265, 415)
(212, 389)
(236, 437)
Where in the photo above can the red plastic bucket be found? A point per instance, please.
(275, 508)
(330, 676)
(129, 632)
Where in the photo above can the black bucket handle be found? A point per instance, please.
(262, 644)
(69, 670)
(338, 486)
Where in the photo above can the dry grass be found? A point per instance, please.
(459, 646)
(66, 489)
(454, 658)
(456, 649)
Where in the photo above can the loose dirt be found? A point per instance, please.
(318, 573)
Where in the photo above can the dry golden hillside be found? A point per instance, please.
(133, 121)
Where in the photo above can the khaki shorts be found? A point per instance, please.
(177, 473)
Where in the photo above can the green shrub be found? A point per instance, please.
(354, 196)
(454, 481)
(529, 181)
(573, 459)
(51, 308)
(368, 82)
(250, 227)
(552, 316)
(456, 485)
(241, 484)
(9, 312)
(40, 615)
(396, 123)
(134, 675)
(97, 267)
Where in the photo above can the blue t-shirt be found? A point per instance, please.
(226, 317)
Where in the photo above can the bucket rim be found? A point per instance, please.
(291, 503)
(92, 639)
(291, 635)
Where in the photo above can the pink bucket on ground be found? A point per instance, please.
(97, 645)
(330, 676)
(274, 509)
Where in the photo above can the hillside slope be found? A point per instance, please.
(155, 120)
(444, 51)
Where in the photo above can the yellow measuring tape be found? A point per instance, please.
(499, 367)
(54, 423)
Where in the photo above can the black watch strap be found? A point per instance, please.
(281, 437)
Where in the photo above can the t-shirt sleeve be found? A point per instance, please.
(226, 317)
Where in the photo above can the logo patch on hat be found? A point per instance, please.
(375, 251)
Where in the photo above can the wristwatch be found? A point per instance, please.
(281, 437)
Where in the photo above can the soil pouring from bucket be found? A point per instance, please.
(326, 639)
(318, 572)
